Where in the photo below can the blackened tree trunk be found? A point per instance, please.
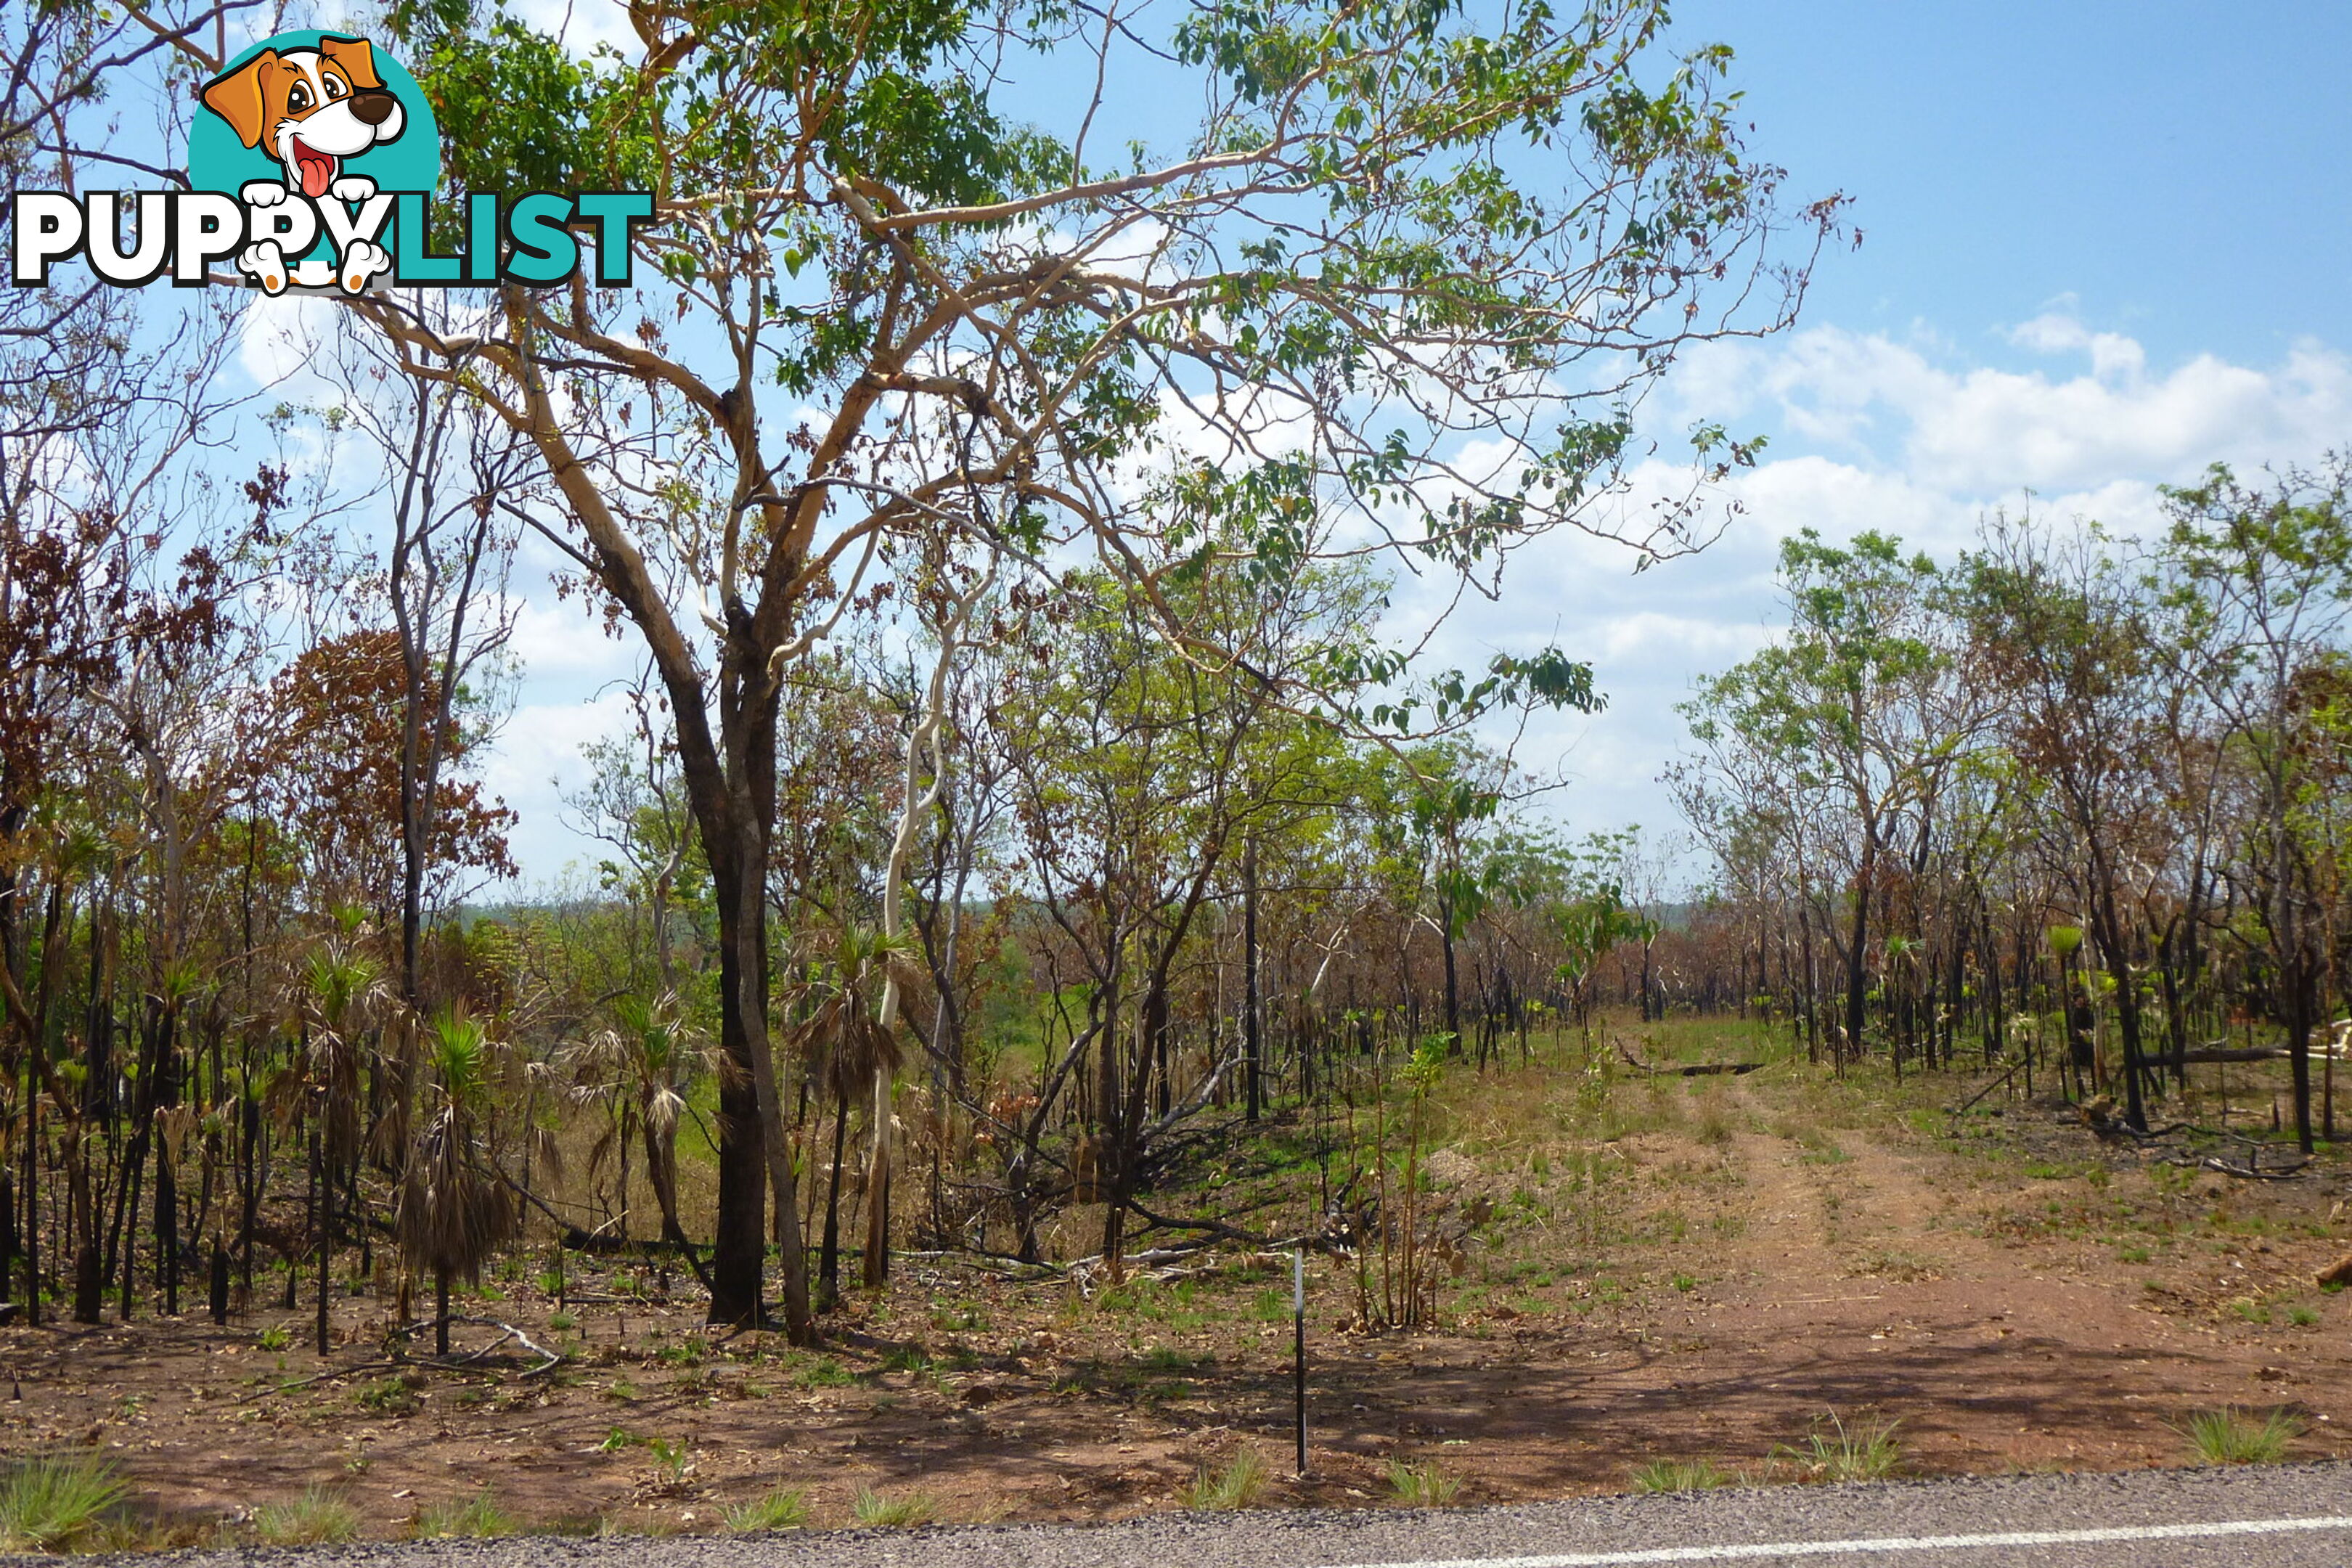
(1250, 1009)
(1856, 987)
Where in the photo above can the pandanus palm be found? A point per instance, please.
(640, 1069)
(337, 988)
(858, 1057)
(454, 1212)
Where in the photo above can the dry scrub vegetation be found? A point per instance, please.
(1639, 1280)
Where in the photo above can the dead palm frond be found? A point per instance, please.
(640, 1069)
(854, 1056)
(842, 1038)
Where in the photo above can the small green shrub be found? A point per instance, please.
(1237, 1485)
(276, 1337)
(777, 1510)
(873, 1510)
(319, 1517)
(386, 1396)
(1680, 1476)
(476, 1519)
(1426, 1485)
(2233, 1436)
(48, 1504)
(673, 1462)
(1842, 1453)
(825, 1373)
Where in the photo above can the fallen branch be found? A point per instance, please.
(548, 1359)
(470, 1362)
(2218, 1052)
(1969, 1104)
(2243, 1172)
(1695, 1069)
(329, 1375)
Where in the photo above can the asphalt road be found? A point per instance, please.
(2288, 1516)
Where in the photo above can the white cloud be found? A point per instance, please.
(1869, 431)
(1980, 431)
(557, 641)
(535, 764)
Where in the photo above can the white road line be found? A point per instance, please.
(1886, 1543)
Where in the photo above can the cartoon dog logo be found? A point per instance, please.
(309, 110)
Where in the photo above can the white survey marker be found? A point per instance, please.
(1746, 1551)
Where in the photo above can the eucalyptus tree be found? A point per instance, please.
(945, 606)
(2260, 578)
(2063, 635)
(448, 483)
(1839, 714)
(631, 803)
(1590, 919)
(886, 299)
(1139, 776)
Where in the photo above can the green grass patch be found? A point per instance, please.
(1426, 1485)
(478, 1517)
(2233, 1436)
(1237, 1484)
(52, 1502)
(777, 1510)
(1680, 1476)
(874, 1510)
(320, 1517)
(1833, 1451)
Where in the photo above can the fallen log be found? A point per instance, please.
(2246, 1173)
(599, 1244)
(1695, 1069)
(2221, 1053)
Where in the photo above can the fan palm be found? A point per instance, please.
(641, 1069)
(453, 1211)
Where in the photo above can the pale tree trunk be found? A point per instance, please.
(915, 804)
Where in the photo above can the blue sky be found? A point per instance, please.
(2106, 244)
(2176, 169)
